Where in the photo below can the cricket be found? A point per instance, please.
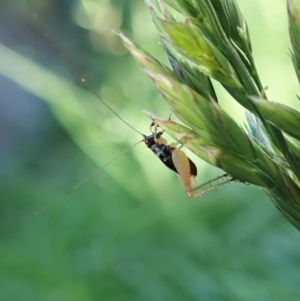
(171, 155)
(121, 169)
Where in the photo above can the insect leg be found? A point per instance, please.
(226, 179)
(157, 135)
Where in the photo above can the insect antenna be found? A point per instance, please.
(73, 70)
(81, 183)
(84, 83)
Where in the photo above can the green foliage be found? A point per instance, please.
(211, 37)
(130, 233)
(294, 23)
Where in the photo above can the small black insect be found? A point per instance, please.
(172, 157)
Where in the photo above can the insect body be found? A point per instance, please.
(173, 158)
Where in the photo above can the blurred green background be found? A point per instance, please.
(130, 233)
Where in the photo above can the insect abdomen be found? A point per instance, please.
(164, 153)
